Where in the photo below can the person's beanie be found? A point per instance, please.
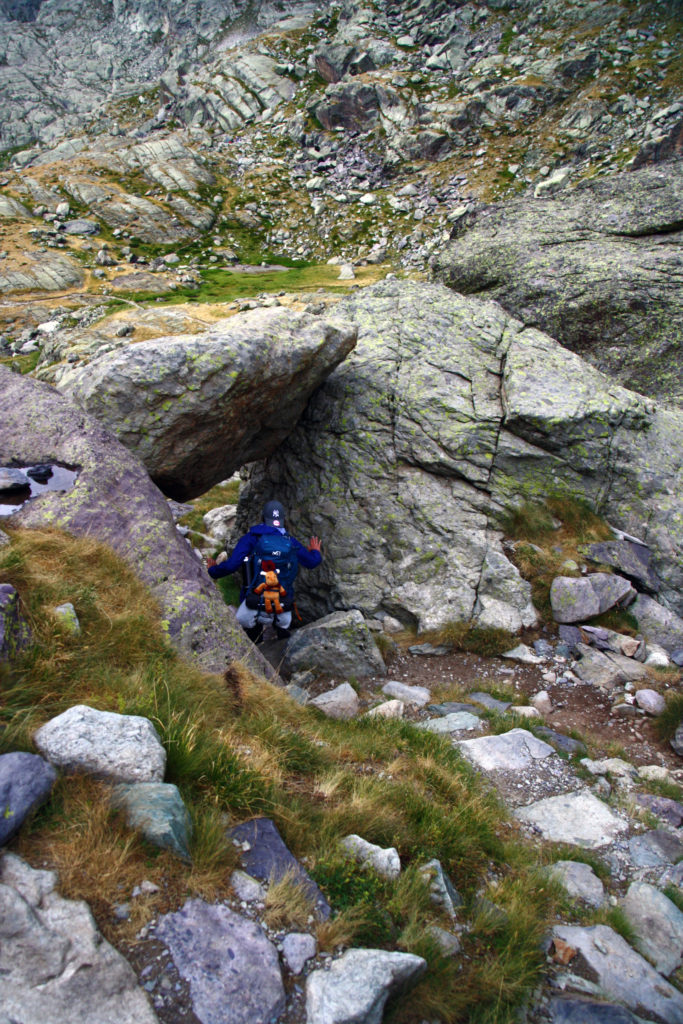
(273, 513)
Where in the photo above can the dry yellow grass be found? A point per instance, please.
(287, 904)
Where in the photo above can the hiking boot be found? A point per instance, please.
(282, 634)
(255, 633)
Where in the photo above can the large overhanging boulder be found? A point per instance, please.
(195, 408)
(114, 500)
(598, 268)
(448, 412)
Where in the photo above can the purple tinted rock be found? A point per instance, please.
(231, 966)
(663, 807)
(570, 635)
(655, 848)
(677, 658)
(25, 782)
(630, 558)
(583, 1011)
(268, 858)
(561, 742)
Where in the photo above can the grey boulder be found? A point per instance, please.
(55, 964)
(26, 781)
(629, 558)
(595, 268)
(124, 748)
(575, 600)
(401, 464)
(355, 988)
(579, 880)
(659, 625)
(231, 966)
(341, 702)
(623, 974)
(658, 924)
(195, 408)
(338, 644)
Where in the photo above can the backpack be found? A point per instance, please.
(279, 549)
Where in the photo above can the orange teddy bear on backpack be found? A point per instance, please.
(271, 588)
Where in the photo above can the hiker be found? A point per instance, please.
(271, 558)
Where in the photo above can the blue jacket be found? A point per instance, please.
(246, 544)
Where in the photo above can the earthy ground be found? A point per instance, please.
(578, 709)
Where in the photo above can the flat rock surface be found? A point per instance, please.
(232, 967)
(622, 973)
(265, 856)
(579, 818)
(55, 964)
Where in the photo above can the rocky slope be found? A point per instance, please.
(519, 152)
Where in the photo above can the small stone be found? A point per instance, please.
(389, 709)
(650, 701)
(541, 701)
(385, 862)
(67, 614)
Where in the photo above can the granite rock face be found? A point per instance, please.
(115, 501)
(447, 412)
(597, 268)
(196, 408)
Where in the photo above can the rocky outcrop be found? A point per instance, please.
(597, 268)
(447, 412)
(49, 273)
(115, 501)
(58, 64)
(196, 408)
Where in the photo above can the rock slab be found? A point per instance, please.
(114, 501)
(623, 974)
(232, 967)
(266, 857)
(196, 408)
(580, 819)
